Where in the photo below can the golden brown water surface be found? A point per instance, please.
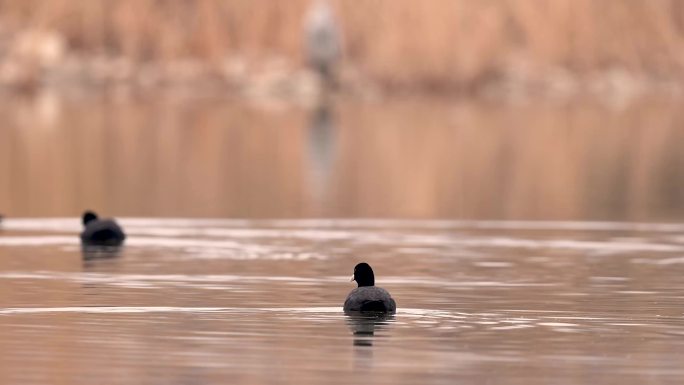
(403, 158)
(253, 302)
(536, 243)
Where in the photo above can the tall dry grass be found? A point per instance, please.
(399, 42)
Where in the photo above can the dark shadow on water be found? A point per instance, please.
(92, 254)
(99, 260)
(364, 325)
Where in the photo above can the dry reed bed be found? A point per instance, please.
(433, 44)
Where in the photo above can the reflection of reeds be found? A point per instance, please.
(540, 161)
(399, 159)
(434, 43)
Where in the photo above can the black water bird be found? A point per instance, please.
(368, 297)
(101, 232)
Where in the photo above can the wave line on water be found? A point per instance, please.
(73, 224)
(158, 309)
(184, 278)
(149, 280)
(197, 247)
(109, 309)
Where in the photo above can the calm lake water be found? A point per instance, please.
(404, 158)
(565, 265)
(232, 301)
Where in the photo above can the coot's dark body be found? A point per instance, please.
(101, 232)
(368, 297)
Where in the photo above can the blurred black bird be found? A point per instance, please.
(101, 232)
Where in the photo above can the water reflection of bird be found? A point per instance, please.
(367, 297)
(364, 326)
(322, 41)
(101, 232)
(96, 253)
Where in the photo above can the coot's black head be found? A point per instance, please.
(363, 275)
(88, 216)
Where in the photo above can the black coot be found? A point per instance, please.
(368, 297)
(101, 232)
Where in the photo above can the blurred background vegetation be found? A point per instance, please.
(511, 109)
(460, 46)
